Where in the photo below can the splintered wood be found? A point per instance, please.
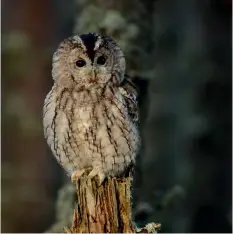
(105, 208)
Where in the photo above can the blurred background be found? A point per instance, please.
(179, 54)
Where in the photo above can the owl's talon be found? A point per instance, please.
(97, 172)
(76, 175)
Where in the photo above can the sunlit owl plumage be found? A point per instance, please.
(91, 114)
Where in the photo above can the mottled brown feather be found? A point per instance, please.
(92, 124)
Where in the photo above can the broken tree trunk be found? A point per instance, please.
(105, 208)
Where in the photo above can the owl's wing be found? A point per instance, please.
(130, 94)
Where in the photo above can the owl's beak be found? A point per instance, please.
(93, 78)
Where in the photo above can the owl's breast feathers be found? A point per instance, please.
(84, 129)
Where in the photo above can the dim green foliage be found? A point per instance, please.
(20, 59)
(64, 208)
(16, 47)
(123, 25)
(25, 119)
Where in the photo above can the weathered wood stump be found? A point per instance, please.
(105, 208)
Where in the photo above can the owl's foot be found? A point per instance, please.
(99, 173)
(76, 175)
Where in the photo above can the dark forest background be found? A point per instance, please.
(179, 54)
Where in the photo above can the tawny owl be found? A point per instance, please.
(91, 114)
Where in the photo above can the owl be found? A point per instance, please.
(90, 116)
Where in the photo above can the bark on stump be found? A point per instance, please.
(105, 208)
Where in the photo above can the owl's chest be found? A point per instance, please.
(98, 122)
(102, 131)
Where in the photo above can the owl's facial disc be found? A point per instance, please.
(88, 60)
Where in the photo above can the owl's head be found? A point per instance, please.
(88, 60)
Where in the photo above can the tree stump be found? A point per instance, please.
(105, 208)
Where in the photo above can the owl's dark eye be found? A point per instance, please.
(80, 63)
(101, 60)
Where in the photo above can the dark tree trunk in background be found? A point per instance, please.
(28, 177)
(187, 157)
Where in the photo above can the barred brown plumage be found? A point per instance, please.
(91, 114)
